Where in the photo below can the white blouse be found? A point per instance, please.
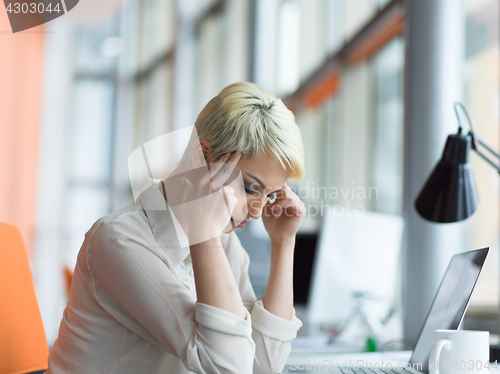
(133, 309)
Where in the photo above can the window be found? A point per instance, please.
(482, 100)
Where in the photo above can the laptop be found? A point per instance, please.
(446, 313)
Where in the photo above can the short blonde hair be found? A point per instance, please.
(247, 118)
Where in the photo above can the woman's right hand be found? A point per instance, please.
(206, 204)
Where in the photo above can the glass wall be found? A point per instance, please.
(354, 138)
(482, 100)
(386, 169)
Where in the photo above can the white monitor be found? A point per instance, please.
(355, 253)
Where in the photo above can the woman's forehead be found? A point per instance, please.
(265, 168)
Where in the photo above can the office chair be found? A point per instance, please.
(23, 345)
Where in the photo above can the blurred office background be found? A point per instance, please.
(80, 93)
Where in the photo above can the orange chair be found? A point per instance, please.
(23, 345)
(68, 277)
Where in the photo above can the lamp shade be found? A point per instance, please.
(450, 193)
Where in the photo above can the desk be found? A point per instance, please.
(313, 359)
(334, 356)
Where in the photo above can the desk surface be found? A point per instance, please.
(335, 356)
(331, 356)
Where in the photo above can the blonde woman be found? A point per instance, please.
(141, 301)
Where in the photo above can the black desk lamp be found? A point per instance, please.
(450, 193)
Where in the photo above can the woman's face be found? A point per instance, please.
(262, 178)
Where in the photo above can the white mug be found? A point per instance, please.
(460, 352)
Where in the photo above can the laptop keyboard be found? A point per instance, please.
(364, 370)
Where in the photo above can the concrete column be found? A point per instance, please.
(434, 81)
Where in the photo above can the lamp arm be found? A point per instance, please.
(487, 159)
(475, 142)
(486, 146)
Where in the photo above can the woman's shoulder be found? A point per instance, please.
(116, 233)
(127, 220)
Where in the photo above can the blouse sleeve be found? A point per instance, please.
(271, 334)
(138, 290)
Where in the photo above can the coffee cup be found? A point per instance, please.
(460, 352)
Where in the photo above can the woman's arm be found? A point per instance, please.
(213, 277)
(214, 281)
(278, 297)
(282, 220)
(132, 283)
(271, 333)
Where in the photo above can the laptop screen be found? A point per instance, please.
(449, 305)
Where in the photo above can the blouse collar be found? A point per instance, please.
(161, 220)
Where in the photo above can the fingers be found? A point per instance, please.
(290, 209)
(220, 171)
(289, 204)
(282, 194)
(283, 197)
(224, 171)
(212, 179)
(215, 167)
(188, 188)
(286, 192)
(231, 199)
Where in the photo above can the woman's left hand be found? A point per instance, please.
(282, 219)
